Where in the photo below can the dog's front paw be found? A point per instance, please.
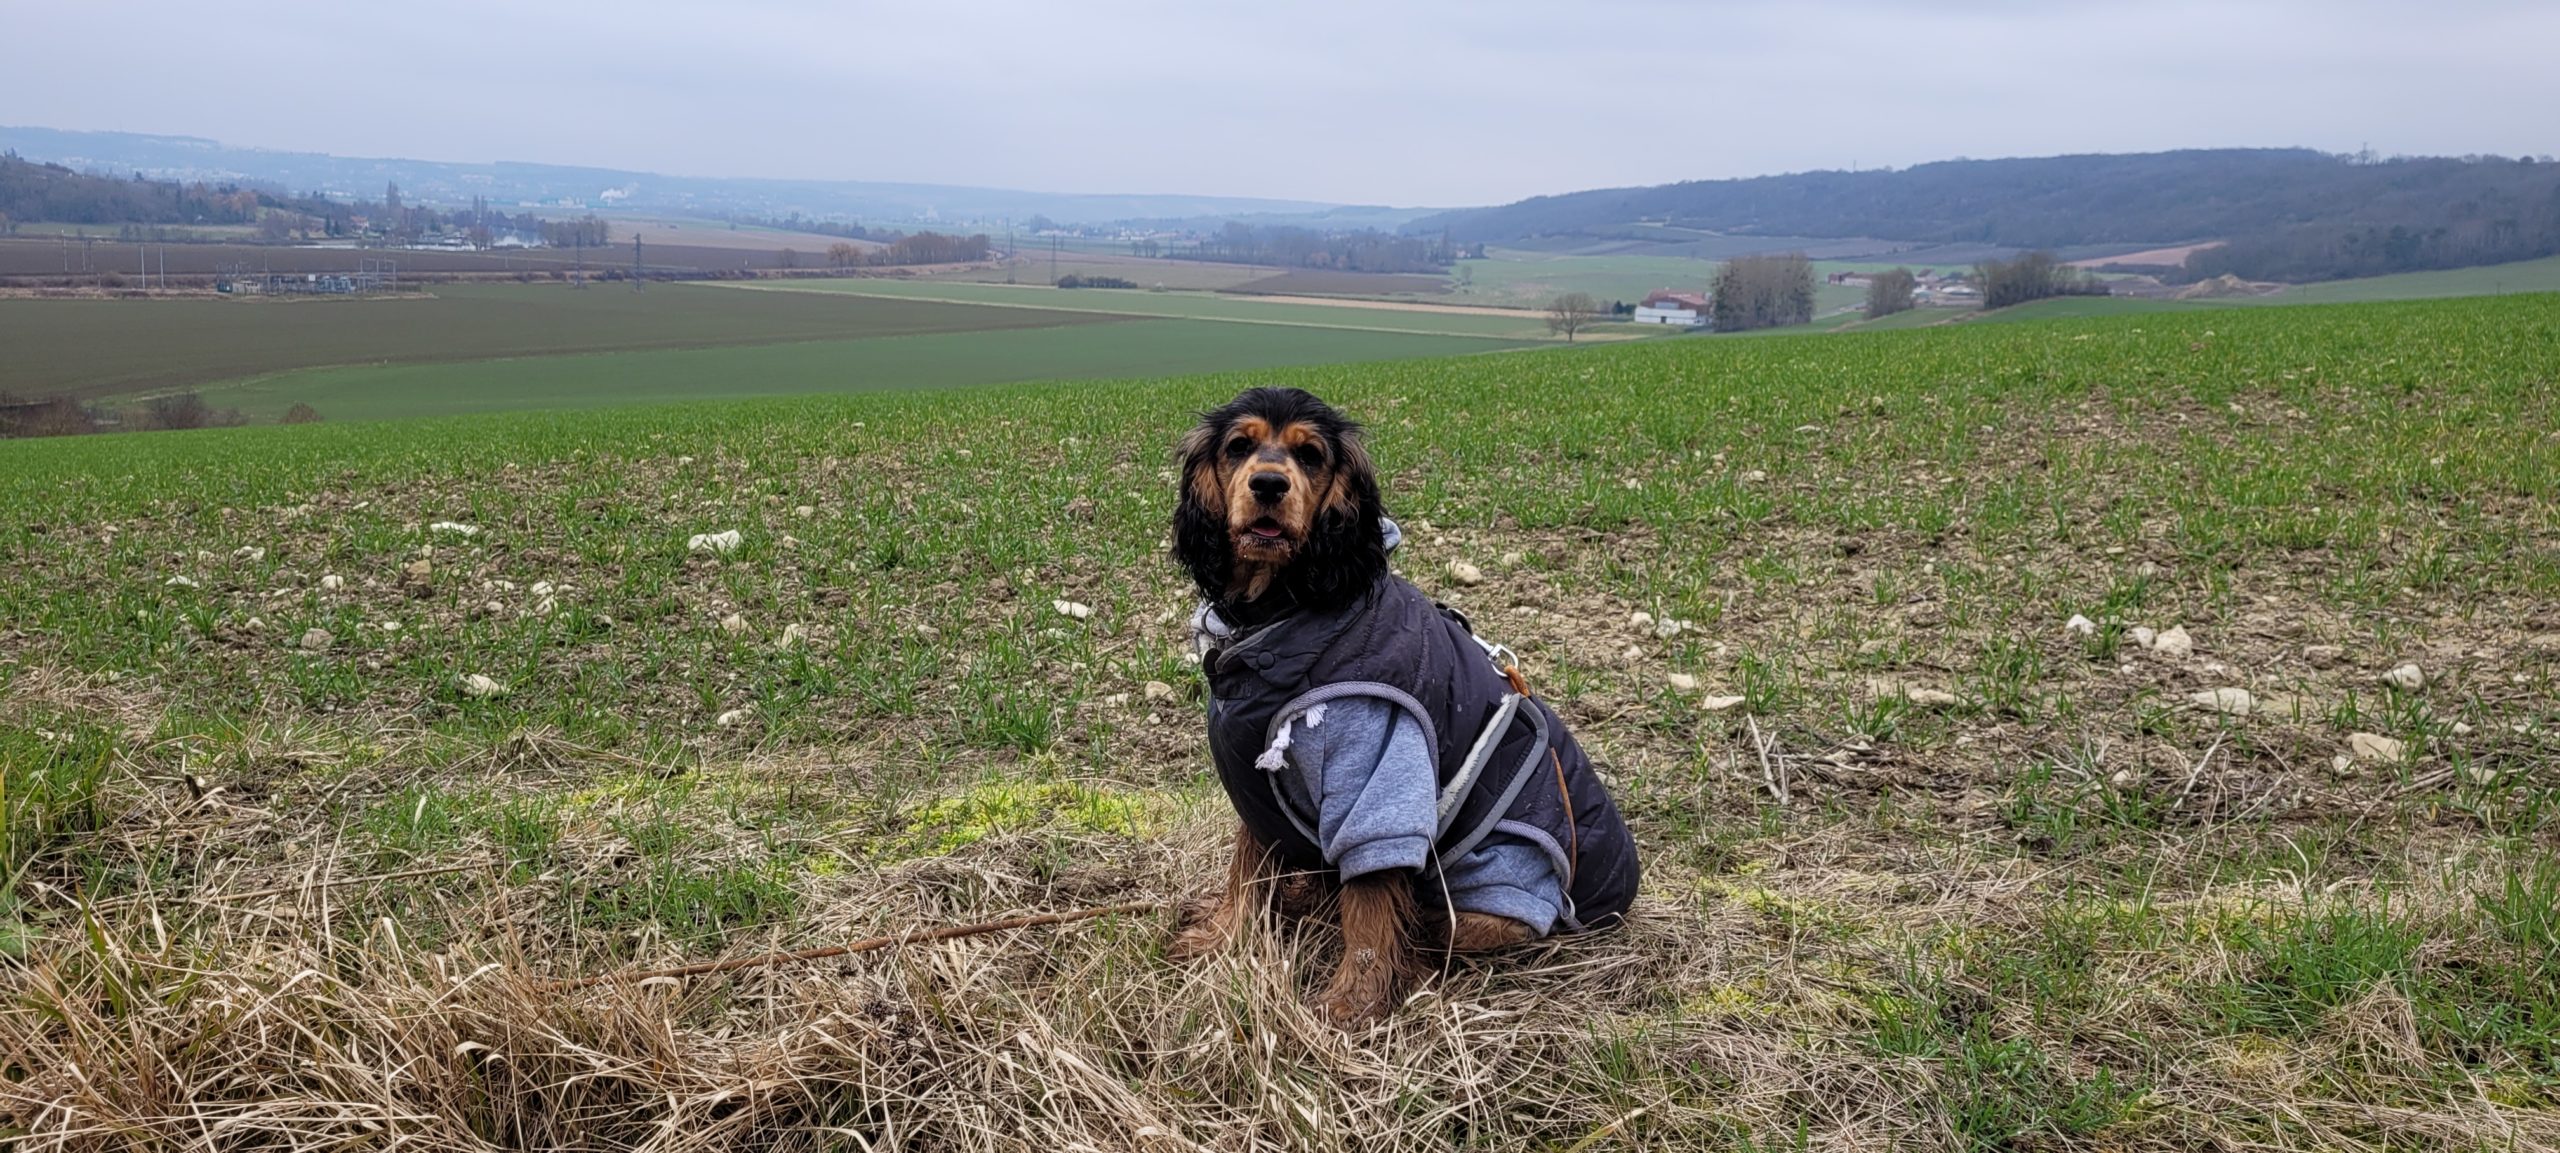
(1206, 927)
(1302, 894)
(1360, 993)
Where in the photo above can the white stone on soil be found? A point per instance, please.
(2375, 749)
(249, 552)
(455, 528)
(315, 640)
(722, 541)
(1915, 695)
(2173, 642)
(1156, 691)
(2409, 678)
(179, 582)
(1717, 704)
(1077, 609)
(733, 624)
(733, 716)
(2080, 625)
(794, 635)
(1668, 627)
(1465, 574)
(1683, 682)
(2229, 702)
(2143, 637)
(333, 582)
(481, 686)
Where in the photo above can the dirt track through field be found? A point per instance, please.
(1394, 305)
(1365, 305)
(2166, 257)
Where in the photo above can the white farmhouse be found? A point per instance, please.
(1684, 309)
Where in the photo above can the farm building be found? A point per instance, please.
(1686, 309)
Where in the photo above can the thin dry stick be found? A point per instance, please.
(2197, 769)
(1768, 773)
(865, 945)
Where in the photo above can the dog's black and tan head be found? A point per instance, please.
(1278, 494)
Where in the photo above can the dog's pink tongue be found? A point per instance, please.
(1266, 531)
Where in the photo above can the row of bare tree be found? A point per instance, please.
(69, 416)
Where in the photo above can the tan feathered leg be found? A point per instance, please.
(1218, 925)
(1377, 956)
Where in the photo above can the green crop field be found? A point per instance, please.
(2127, 733)
(478, 348)
(102, 347)
(1129, 348)
(1517, 278)
(2077, 307)
(1514, 278)
(1908, 318)
(2485, 280)
(1525, 279)
(1036, 267)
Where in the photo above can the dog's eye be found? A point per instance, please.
(1311, 455)
(1240, 446)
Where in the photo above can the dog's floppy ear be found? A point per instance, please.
(1200, 541)
(1346, 550)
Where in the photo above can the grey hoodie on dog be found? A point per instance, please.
(1364, 769)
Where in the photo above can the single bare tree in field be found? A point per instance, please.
(1569, 313)
(1890, 292)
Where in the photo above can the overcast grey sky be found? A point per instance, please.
(1380, 102)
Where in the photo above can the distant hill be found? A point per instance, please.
(512, 185)
(34, 190)
(2285, 213)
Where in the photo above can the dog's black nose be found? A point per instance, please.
(1269, 486)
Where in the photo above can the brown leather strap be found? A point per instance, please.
(1572, 832)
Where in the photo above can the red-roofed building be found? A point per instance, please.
(1686, 309)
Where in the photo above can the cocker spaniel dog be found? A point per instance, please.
(1373, 747)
